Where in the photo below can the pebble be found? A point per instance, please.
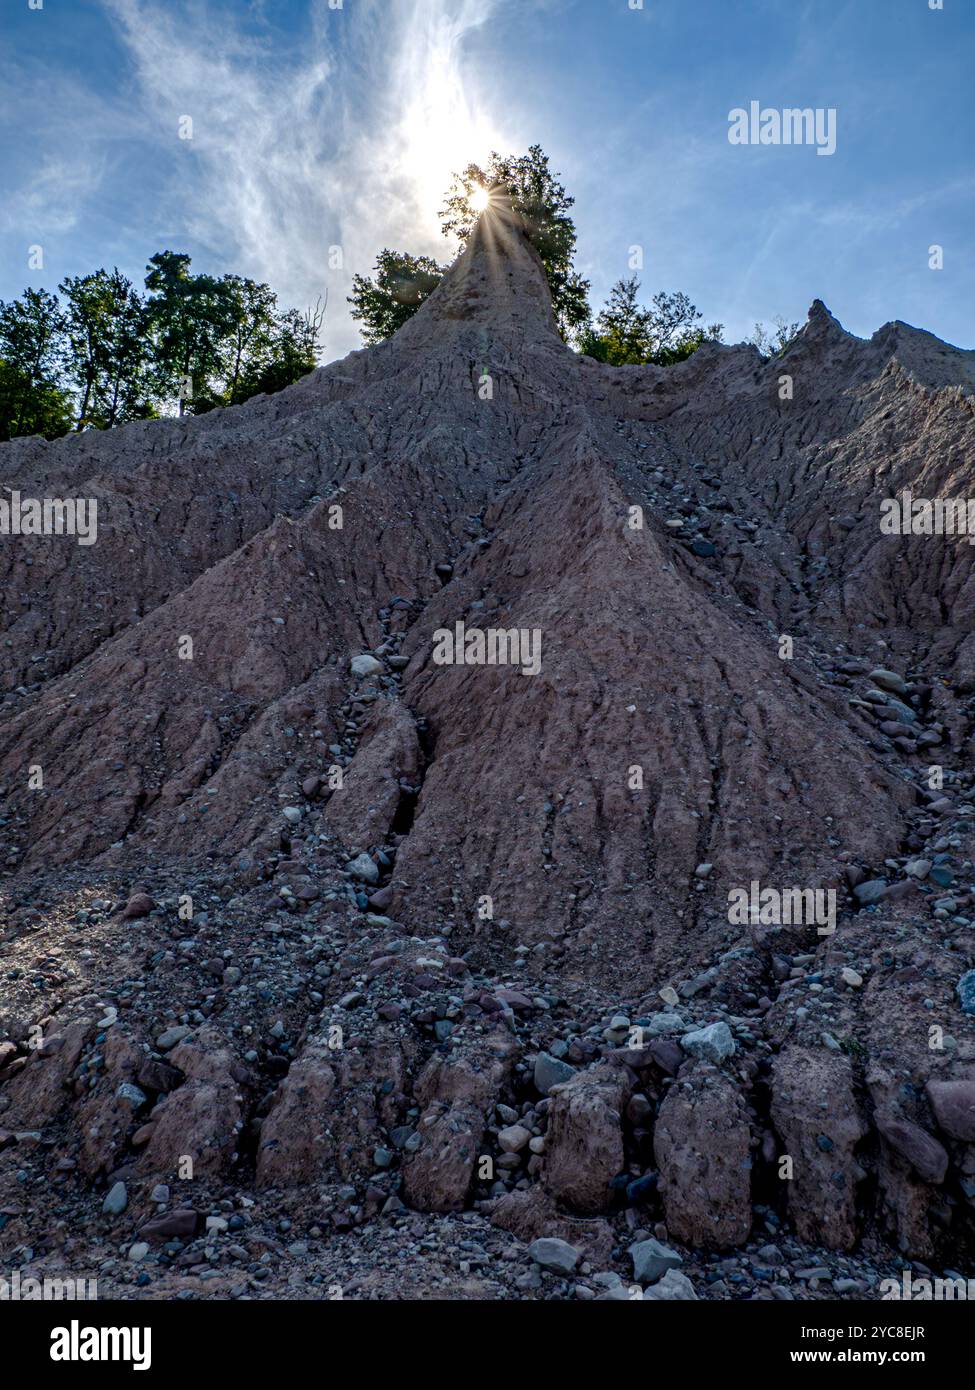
(364, 867)
(549, 1072)
(966, 992)
(556, 1255)
(651, 1260)
(366, 665)
(116, 1201)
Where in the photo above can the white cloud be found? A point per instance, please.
(350, 142)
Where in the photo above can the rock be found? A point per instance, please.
(953, 1103)
(131, 1094)
(171, 1225)
(155, 1075)
(966, 992)
(514, 1138)
(889, 680)
(667, 1055)
(203, 1117)
(711, 1044)
(702, 1147)
(651, 1260)
(366, 665)
(584, 1143)
(117, 1200)
(138, 1251)
(365, 868)
(168, 1039)
(870, 892)
(139, 905)
(923, 1152)
(819, 1124)
(37, 1092)
(550, 1071)
(456, 1096)
(673, 1287)
(328, 1113)
(555, 1255)
(851, 977)
(292, 814)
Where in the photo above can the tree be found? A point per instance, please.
(773, 340)
(32, 346)
(401, 285)
(665, 332)
(108, 359)
(543, 204)
(189, 318)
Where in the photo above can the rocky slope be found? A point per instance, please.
(324, 966)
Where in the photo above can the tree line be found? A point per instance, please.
(625, 331)
(100, 352)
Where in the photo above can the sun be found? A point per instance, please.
(480, 199)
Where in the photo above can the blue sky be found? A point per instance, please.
(315, 127)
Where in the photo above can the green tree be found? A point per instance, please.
(541, 200)
(627, 334)
(189, 317)
(402, 283)
(775, 339)
(108, 359)
(32, 347)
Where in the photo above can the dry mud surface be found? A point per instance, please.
(316, 983)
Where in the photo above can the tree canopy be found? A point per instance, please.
(402, 283)
(627, 333)
(103, 353)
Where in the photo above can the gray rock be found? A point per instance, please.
(549, 1072)
(556, 1255)
(673, 1287)
(116, 1201)
(132, 1094)
(651, 1260)
(364, 868)
(366, 665)
(889, 680)
(870, 892)
(712, 1044)
(172, 1036)
(966, 992)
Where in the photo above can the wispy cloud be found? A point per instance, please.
(349, 143)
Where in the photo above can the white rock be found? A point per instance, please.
(366, 665)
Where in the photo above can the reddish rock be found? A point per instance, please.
(953, 1103)
(584, 1142)
(139, 905)
(702, 1147)
(819, 1126)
